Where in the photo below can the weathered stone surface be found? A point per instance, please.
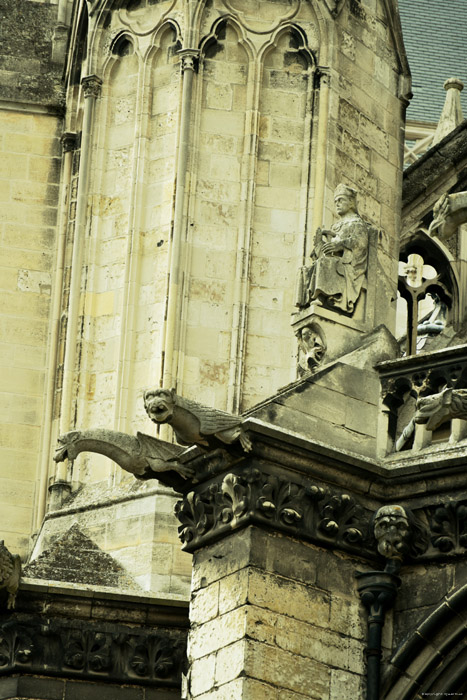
(75, 558)
(28, 73)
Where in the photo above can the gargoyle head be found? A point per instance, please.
(392, 531)
(434, 410)
(159, 404)
(64, 448)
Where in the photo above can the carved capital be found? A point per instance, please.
(246, 495)
(92, 86)
(324, 76)
(68, 140)
(189, 60)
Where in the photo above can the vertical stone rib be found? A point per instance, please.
(91, 88)
(174, 301)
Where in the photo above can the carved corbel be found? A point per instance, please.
(312, 347)
(189, 60)
(92, 85)
(68, 141)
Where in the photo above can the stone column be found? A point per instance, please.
(91, 86)
(275, 612)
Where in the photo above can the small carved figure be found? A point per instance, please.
(339, 258)
(143, 456)
(392, 532)
(10, 574)
(312, 347)
(449, 212)
(192, 422)
(437, 319)
(437, 408)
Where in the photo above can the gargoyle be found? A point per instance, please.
(192, 422)
(10, 574)
(144, 456)
(449, 212)
(437, 408)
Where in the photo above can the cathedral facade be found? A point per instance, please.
(208, 245)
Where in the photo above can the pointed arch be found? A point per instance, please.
(217, 33)
(433, 660)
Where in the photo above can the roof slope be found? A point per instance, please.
(75, 558)
(435, 37)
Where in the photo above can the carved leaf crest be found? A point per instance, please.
(16, 645)
(281, 501)
(448, 524)
(193, 515)
(155, 657)
(341, 516)
(87, 650)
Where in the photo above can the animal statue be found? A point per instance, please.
(144, 456)
(192, 422)
(433, 410)
(449, 212)
(10, 574)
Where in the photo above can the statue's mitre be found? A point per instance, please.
(345, 190)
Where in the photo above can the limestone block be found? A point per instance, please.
(16, 519)
(16, 492)
(8, 279)
(230, 662)
(273, 665)
(279, 152)
(24, 461)
(219, 143)
(14, 165)
(21, 409)
(33, 145)
(220, 632)
(329, 648)
(35, 306)
(202, 674)
(41, 169)
(26, 259)
(347, 617)
(345, 686)
(232, 122)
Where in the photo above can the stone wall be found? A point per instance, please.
(275, 618)
(29, 183)
(135, 524)
(31, 97)
(189, 275)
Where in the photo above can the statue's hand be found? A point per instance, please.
(331, 248)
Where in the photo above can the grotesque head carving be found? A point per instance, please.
(312, 347)
(392, 532)
(159, 404)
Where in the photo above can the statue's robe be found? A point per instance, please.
(336, 279)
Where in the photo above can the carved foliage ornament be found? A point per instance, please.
(92, 85)
(111, 652)
(251, 496)
(448, 527)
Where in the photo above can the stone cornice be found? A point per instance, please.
(323, 495)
